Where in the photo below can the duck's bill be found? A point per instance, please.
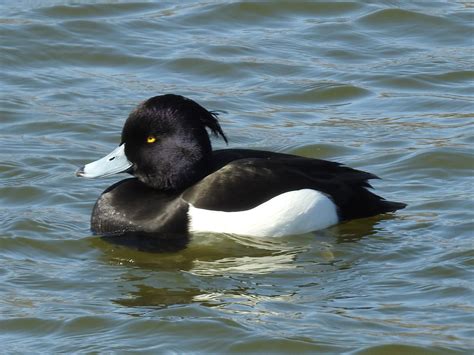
(113, 163)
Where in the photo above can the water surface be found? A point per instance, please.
(383, 86)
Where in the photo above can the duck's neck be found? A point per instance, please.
(176, 176)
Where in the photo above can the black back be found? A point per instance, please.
(245, 178)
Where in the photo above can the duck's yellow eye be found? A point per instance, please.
(151, 139)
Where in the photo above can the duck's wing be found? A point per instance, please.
(246, 183)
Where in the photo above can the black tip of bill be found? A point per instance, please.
(80, 172)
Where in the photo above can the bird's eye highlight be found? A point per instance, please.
(151, 139)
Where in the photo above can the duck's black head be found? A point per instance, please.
(166, 143)
(165, 138)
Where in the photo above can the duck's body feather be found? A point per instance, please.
(289, 213)
(131, 206)
(245, 184)
(256, 176)
(182, 186)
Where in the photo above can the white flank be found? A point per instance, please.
(294, 212)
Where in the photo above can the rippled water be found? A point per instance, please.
(385, 86)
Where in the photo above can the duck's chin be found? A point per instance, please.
(154, 181)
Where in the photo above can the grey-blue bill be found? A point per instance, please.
(113, 163)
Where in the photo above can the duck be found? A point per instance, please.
(181, 186)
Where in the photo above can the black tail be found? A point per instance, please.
(364, 203)
(390, 206)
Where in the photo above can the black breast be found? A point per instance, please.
(131, 206)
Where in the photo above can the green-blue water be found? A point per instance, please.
(383, 86)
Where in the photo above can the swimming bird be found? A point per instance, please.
(181, 186)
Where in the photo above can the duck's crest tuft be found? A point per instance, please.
(189, 108)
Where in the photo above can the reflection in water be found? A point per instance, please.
(148, 296)
(244, 265)
(213, 255)
(355, 230)
(150, 242)
(217, 266)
